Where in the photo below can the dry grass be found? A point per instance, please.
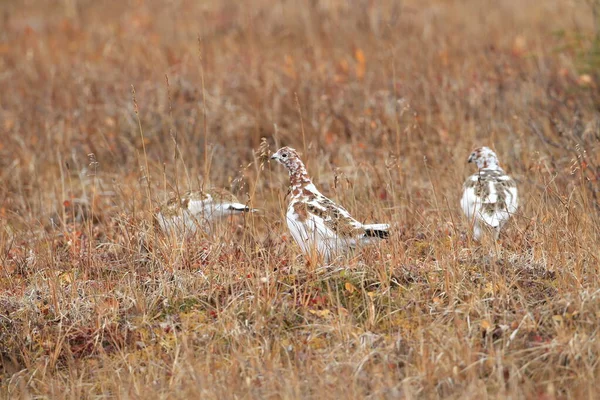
(386, 101)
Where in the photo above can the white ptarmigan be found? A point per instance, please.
(489, 196)
(198, 209)
(315, 222)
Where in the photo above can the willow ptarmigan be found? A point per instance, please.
(489, 196)
(198, 209)
(315, 222)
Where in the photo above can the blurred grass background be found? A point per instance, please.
(108, 106)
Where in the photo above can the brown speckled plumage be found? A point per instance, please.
(490, 195)
(316, 222)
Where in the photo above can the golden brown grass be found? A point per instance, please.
(106, 107)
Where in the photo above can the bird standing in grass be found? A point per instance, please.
(198, 209)
(315, 222)
(489, 196)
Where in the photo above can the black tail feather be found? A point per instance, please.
(239, 208)
(378, 233)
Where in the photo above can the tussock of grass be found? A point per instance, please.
(385, 100)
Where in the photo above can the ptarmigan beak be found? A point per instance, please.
(274, 157)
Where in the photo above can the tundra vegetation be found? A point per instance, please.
(108, 108)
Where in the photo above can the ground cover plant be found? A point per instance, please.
(107, 108)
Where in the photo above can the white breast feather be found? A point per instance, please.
(311, 233)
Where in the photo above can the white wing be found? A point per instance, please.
(209, 209)
(311, 234)
(512, 200)
(469, 202)
(181, 223)
(321, 225)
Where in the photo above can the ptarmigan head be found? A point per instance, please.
(485, 158)
(288, 157)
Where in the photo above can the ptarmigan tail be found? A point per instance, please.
(377, 230)
(236, 208)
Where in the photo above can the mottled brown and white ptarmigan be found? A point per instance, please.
(489, 196)
(316, 223)
(198, 210)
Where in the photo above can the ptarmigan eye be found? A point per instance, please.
(284, 155)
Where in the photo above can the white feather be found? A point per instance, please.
(316, 223)
(472, 206)
(194, 214)
(313, 234)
